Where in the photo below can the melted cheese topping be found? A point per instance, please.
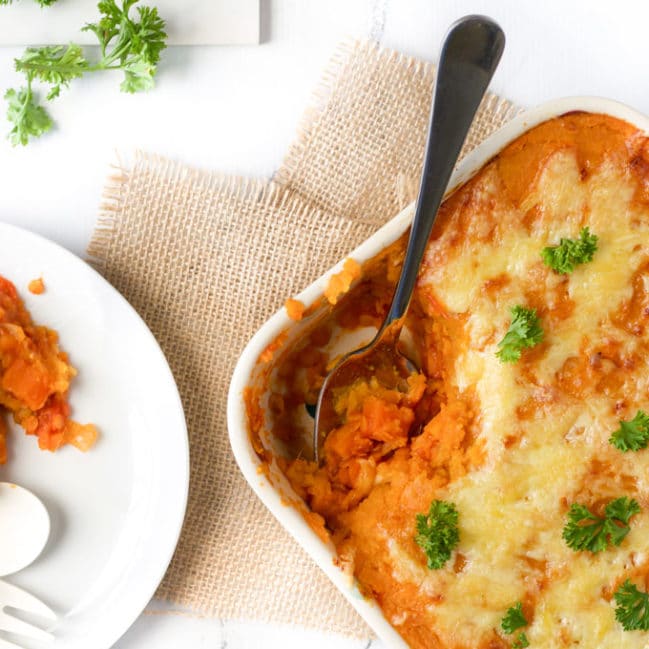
(511, 508)
(511, 444)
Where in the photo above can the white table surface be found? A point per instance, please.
(236, 109)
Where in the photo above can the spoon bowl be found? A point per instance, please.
(24, 528)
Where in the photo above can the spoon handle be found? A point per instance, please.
(469, 57)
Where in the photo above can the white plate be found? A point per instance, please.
(272, 487)
(116, 510)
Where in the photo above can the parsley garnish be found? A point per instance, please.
(132, 45)
(570, 252)
(632, 435)
(515, 619)
(632, 610)
(521, 642)
(437, 533)
(585, 531)
(524, 331)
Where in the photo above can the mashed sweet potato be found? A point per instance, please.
(341, 282)
(35, 377)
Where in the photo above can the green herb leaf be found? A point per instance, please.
(632, 610)
(570, 252)
(514, 618)
(524, 331)
(135, 45)
(138, 76)
(521, 642)
(53, 64)
(28, 119)
(632, 435)
(585, 531)
(150, 35)
(130, 44)
(437, 533)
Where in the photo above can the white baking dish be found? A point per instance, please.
(270, 487)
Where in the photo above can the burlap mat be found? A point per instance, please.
(205, 259)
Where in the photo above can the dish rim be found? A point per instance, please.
(248, 461)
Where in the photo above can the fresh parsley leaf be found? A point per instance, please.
(632, 435)
(521, 642)
(586, 531)
(514, 619)
(109, 24)
(130, 44)
(570, 252)
(138, 76)
(151, 35)
(53, 64)
(524, 331)
(437, 533)
(135, 45)
(632, 610)
(28, 119)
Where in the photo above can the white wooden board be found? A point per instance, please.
(189, 22)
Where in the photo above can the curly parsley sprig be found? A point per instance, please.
(524, 331)
(437, 533)
(571, 252)
(521, 641)
(632, 610)
(632, 435)
(586, 531)
(132, 45)
(29, 119)
(514, 620)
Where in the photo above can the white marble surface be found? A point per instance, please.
(236, 109)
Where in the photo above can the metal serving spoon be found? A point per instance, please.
(469, 57)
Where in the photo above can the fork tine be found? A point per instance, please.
(15, 597)
(5, 644)
(12, 624)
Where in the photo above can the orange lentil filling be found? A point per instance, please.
(341, 282)
(294, 309)
(36, 286)
(35, 377)
(411, 441)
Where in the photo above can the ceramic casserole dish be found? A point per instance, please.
(257, 457)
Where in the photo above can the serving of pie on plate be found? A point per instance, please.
(500, 496)
(115, 511)
(35, 377)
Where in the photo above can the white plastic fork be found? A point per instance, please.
(13, 597)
